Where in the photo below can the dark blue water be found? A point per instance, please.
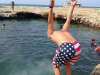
(44, 5)
(32, 5)
(26, 50)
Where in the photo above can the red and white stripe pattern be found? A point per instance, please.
(57, 51)
(77, 47)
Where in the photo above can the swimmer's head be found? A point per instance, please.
(93, 40)
(3, 25)
(60, 26)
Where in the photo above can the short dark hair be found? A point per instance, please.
(3, 24)
(93, 40)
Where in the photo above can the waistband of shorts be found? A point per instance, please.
(74, 43)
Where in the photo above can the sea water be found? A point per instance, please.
(35, 5)
(26, 50)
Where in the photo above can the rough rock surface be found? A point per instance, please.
(86, 16)
(96, 71)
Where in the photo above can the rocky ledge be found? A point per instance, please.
(86, 16)
(96, 71)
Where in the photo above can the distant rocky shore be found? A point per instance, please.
(86, 16)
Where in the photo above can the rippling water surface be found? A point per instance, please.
(26, 50)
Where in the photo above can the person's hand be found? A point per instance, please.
(73, 2)
(52, 3)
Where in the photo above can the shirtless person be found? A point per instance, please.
(69, 49)
(3, 25)
(93, 42)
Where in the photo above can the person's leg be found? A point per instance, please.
(56, 70)
(68, 69)
(13, 8)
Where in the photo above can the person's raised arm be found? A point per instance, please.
(69, 16)
(97, 49)
(95, 44)
(50, 20)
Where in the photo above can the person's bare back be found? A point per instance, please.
(62, 36)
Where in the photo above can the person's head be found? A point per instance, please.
(60, 26)
(12, 2)
(93, 40)
(3, 25)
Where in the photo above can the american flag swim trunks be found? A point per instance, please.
(68, 52)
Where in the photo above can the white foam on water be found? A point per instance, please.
(43, 67)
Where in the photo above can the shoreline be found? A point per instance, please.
(85, 16)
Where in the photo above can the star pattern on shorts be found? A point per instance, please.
(65, 54)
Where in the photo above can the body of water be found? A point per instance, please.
(26, 50)
(31, 5)
(43, 5)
